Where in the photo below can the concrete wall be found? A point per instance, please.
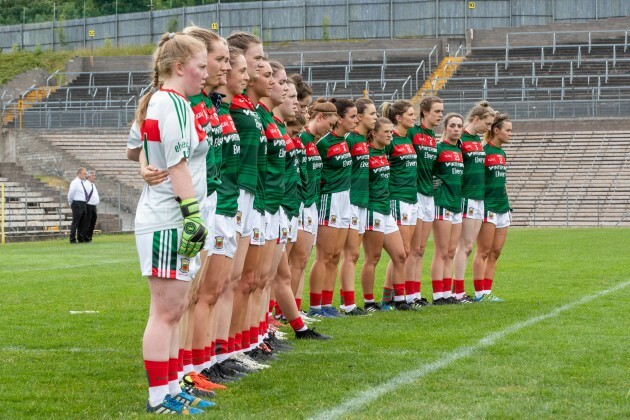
(296, 20)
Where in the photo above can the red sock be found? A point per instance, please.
(409, 287)
(368, 297)
(297, 323)
(272, 304)
(459, 286)
(187, 358)
(180, 360)
(230, 345)
(222, 347)
(298, 303)
(348, 298)
(245, 339)
(157, 372)
(198, 356)
(479, 285)
(209, 353)
(278, 310)
(399, 290)
(316, 299)
(487, 284)
(437, 286)
(327, 297)
(447, 284)
(253, 335)
(172, 369)
(417, 286)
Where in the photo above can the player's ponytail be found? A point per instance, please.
(481, 110)
(499, 122)
(391, 110)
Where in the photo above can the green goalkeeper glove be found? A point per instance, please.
(195, 232)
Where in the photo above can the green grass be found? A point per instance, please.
(572, 365)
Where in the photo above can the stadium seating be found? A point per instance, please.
(31, 206)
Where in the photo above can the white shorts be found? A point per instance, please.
(243, 218)
(293, 229)
(282, 230)
(405, 214)
(223, 240)
(426, 208)
(208, 212)
(358, 217)
(272, 226)
(159, 258)
(257, 221)
(500, 220)
(334, 210)
(307, 220)
(472, 209)
(378, 222)
(444, 214)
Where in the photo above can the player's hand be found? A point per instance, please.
(195, 232)
(152, 175)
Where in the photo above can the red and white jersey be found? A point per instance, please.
(169, 136)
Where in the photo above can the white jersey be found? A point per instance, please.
(169, 135)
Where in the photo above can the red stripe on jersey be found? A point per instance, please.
(214, 117)
(311, 150)
(150, 130)
(289, 143)
(201, 114)
(201, 133)
(472, 146)
(378, 161)
(492, 160)
(227, 124)
(242, 102)
(403, 149)
(272, 132)
(424, 140)
(360, 149)
(338, 149)
(447, 156)
(298, 143)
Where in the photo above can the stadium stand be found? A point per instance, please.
(31, 206)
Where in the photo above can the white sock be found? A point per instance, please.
(222, 357)
(157, 394)
(410, 298)
(188, 369)
(174, 388)
(417, 295)
(349, 307)
(447, 294)
(316, 308)
(437, 295)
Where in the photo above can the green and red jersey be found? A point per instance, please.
(251, 135)
(291, 200)
(359, 195)
(216, 143)
(402, 174)
(496, 198)
(337, 163)
(303, 163)
(314, 165)
(379, 181)
(425, 143)
(473, 181)
(228, 191)
(273, 172)
(449, 172)
(203, 125)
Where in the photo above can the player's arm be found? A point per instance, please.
(149, 173)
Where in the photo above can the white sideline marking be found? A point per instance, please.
(83, 312)
(408, 377)
(66, 267)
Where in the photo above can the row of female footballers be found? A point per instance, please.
(232, 164)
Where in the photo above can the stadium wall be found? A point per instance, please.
(296, 20)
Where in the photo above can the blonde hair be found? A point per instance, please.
(206, 36)
(390, 110)
(380, 121)
(173, 48)
(481, 110)
(322, 106)
(276, 66)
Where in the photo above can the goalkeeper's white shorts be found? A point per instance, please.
(159, 257)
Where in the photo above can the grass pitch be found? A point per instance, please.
(572, 363)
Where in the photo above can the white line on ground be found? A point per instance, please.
(67, 267)
(408, 377)
(83, 312)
